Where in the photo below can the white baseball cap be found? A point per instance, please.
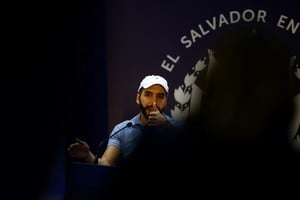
(150, 80)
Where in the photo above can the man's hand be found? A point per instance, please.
(156, 118)
(80, 149)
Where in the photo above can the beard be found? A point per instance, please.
(144, 110)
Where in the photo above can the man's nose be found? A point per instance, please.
(153, 103)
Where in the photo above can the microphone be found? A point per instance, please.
(129, 124)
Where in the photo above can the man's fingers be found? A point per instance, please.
(80, 141)
(155, 107)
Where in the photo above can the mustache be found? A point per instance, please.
(150, 107)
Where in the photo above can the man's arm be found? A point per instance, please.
(110, 156)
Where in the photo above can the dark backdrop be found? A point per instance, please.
(53, 88)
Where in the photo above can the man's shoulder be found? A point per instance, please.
(128, 122)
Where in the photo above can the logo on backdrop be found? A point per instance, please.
(188, 95)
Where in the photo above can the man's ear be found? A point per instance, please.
(137, 100)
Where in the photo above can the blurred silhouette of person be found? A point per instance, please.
(294, 128)
(241, 129)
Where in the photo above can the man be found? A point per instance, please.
(152, 99)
